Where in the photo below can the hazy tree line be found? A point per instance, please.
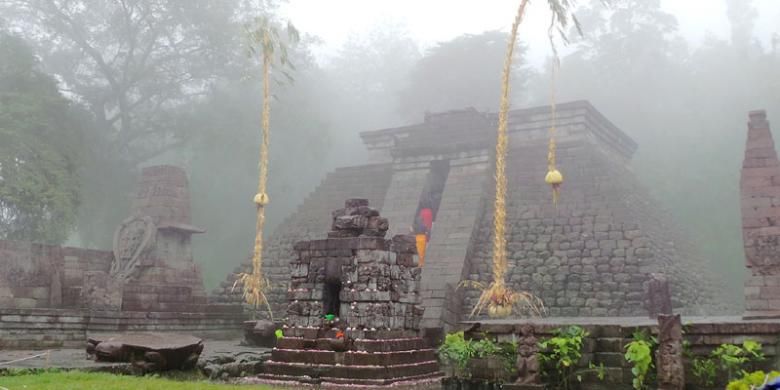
(92, 90)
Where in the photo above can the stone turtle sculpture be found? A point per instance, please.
(148, 351)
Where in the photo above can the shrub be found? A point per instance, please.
(560, 354)
(639, 353)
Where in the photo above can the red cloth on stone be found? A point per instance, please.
(426, 215)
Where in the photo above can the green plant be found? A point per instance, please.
(705, 370)
(752, 380)
(601, 372)
(639, 353)
(728, 358)
(456, 351)
(560, 354)
(733, 358)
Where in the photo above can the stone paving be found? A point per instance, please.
(77, 358)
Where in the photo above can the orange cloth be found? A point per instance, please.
(422, 241)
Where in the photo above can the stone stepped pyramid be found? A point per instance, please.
(592, 254)
(589, 257)
(310, 221)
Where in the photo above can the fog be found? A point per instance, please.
(170, 82)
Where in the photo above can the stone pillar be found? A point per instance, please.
(669, 357)
(760, 187)
(659, 297)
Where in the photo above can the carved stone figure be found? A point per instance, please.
(527, 359)
(669, 358)
(131, 239)
(659, 298)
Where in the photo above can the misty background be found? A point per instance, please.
(92, 90)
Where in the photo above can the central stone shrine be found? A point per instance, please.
(354, 313)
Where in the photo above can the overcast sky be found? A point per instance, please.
(431, 21)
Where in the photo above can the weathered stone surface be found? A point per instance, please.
(760, 192)
(226, 365)
(260, 333)
(349, 292)
(659, 298)
(101, 291)
(528, 367)
(150, 351)
(669, 357)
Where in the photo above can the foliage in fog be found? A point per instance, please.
(686, 107)
(39, 161)
(463, 72)
(132, 64)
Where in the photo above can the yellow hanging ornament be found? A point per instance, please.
(554, 177)
(261, 199)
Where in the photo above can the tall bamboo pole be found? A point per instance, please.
(502, 141)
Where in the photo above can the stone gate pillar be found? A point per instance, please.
(760, 187)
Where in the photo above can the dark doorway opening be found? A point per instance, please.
(432, 191)
(331, 303)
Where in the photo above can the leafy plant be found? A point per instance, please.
(560, 354)
(753, 380)
(705, 370)
(458, 351)
(601, 372)
(729, 358)
(733, 358)
(639, 353)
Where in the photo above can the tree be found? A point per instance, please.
(365, 77)
(133, 64)
(39, 149)
(463, 72)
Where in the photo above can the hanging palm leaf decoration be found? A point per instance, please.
(500, 300)
(265, 41)
(559, 22)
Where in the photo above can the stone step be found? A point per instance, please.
(350, 372)
(396, 345)
(352, 358)
(329, 382)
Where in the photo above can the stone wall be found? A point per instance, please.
(38, 276)
(592, 254)
(69, 328)
(608, 337)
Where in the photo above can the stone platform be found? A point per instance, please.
(378, 358)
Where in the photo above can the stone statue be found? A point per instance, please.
(132, 238)
(669, 357)
(527, 359)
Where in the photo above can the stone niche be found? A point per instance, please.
(354, 312)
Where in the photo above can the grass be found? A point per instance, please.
(79, 380)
